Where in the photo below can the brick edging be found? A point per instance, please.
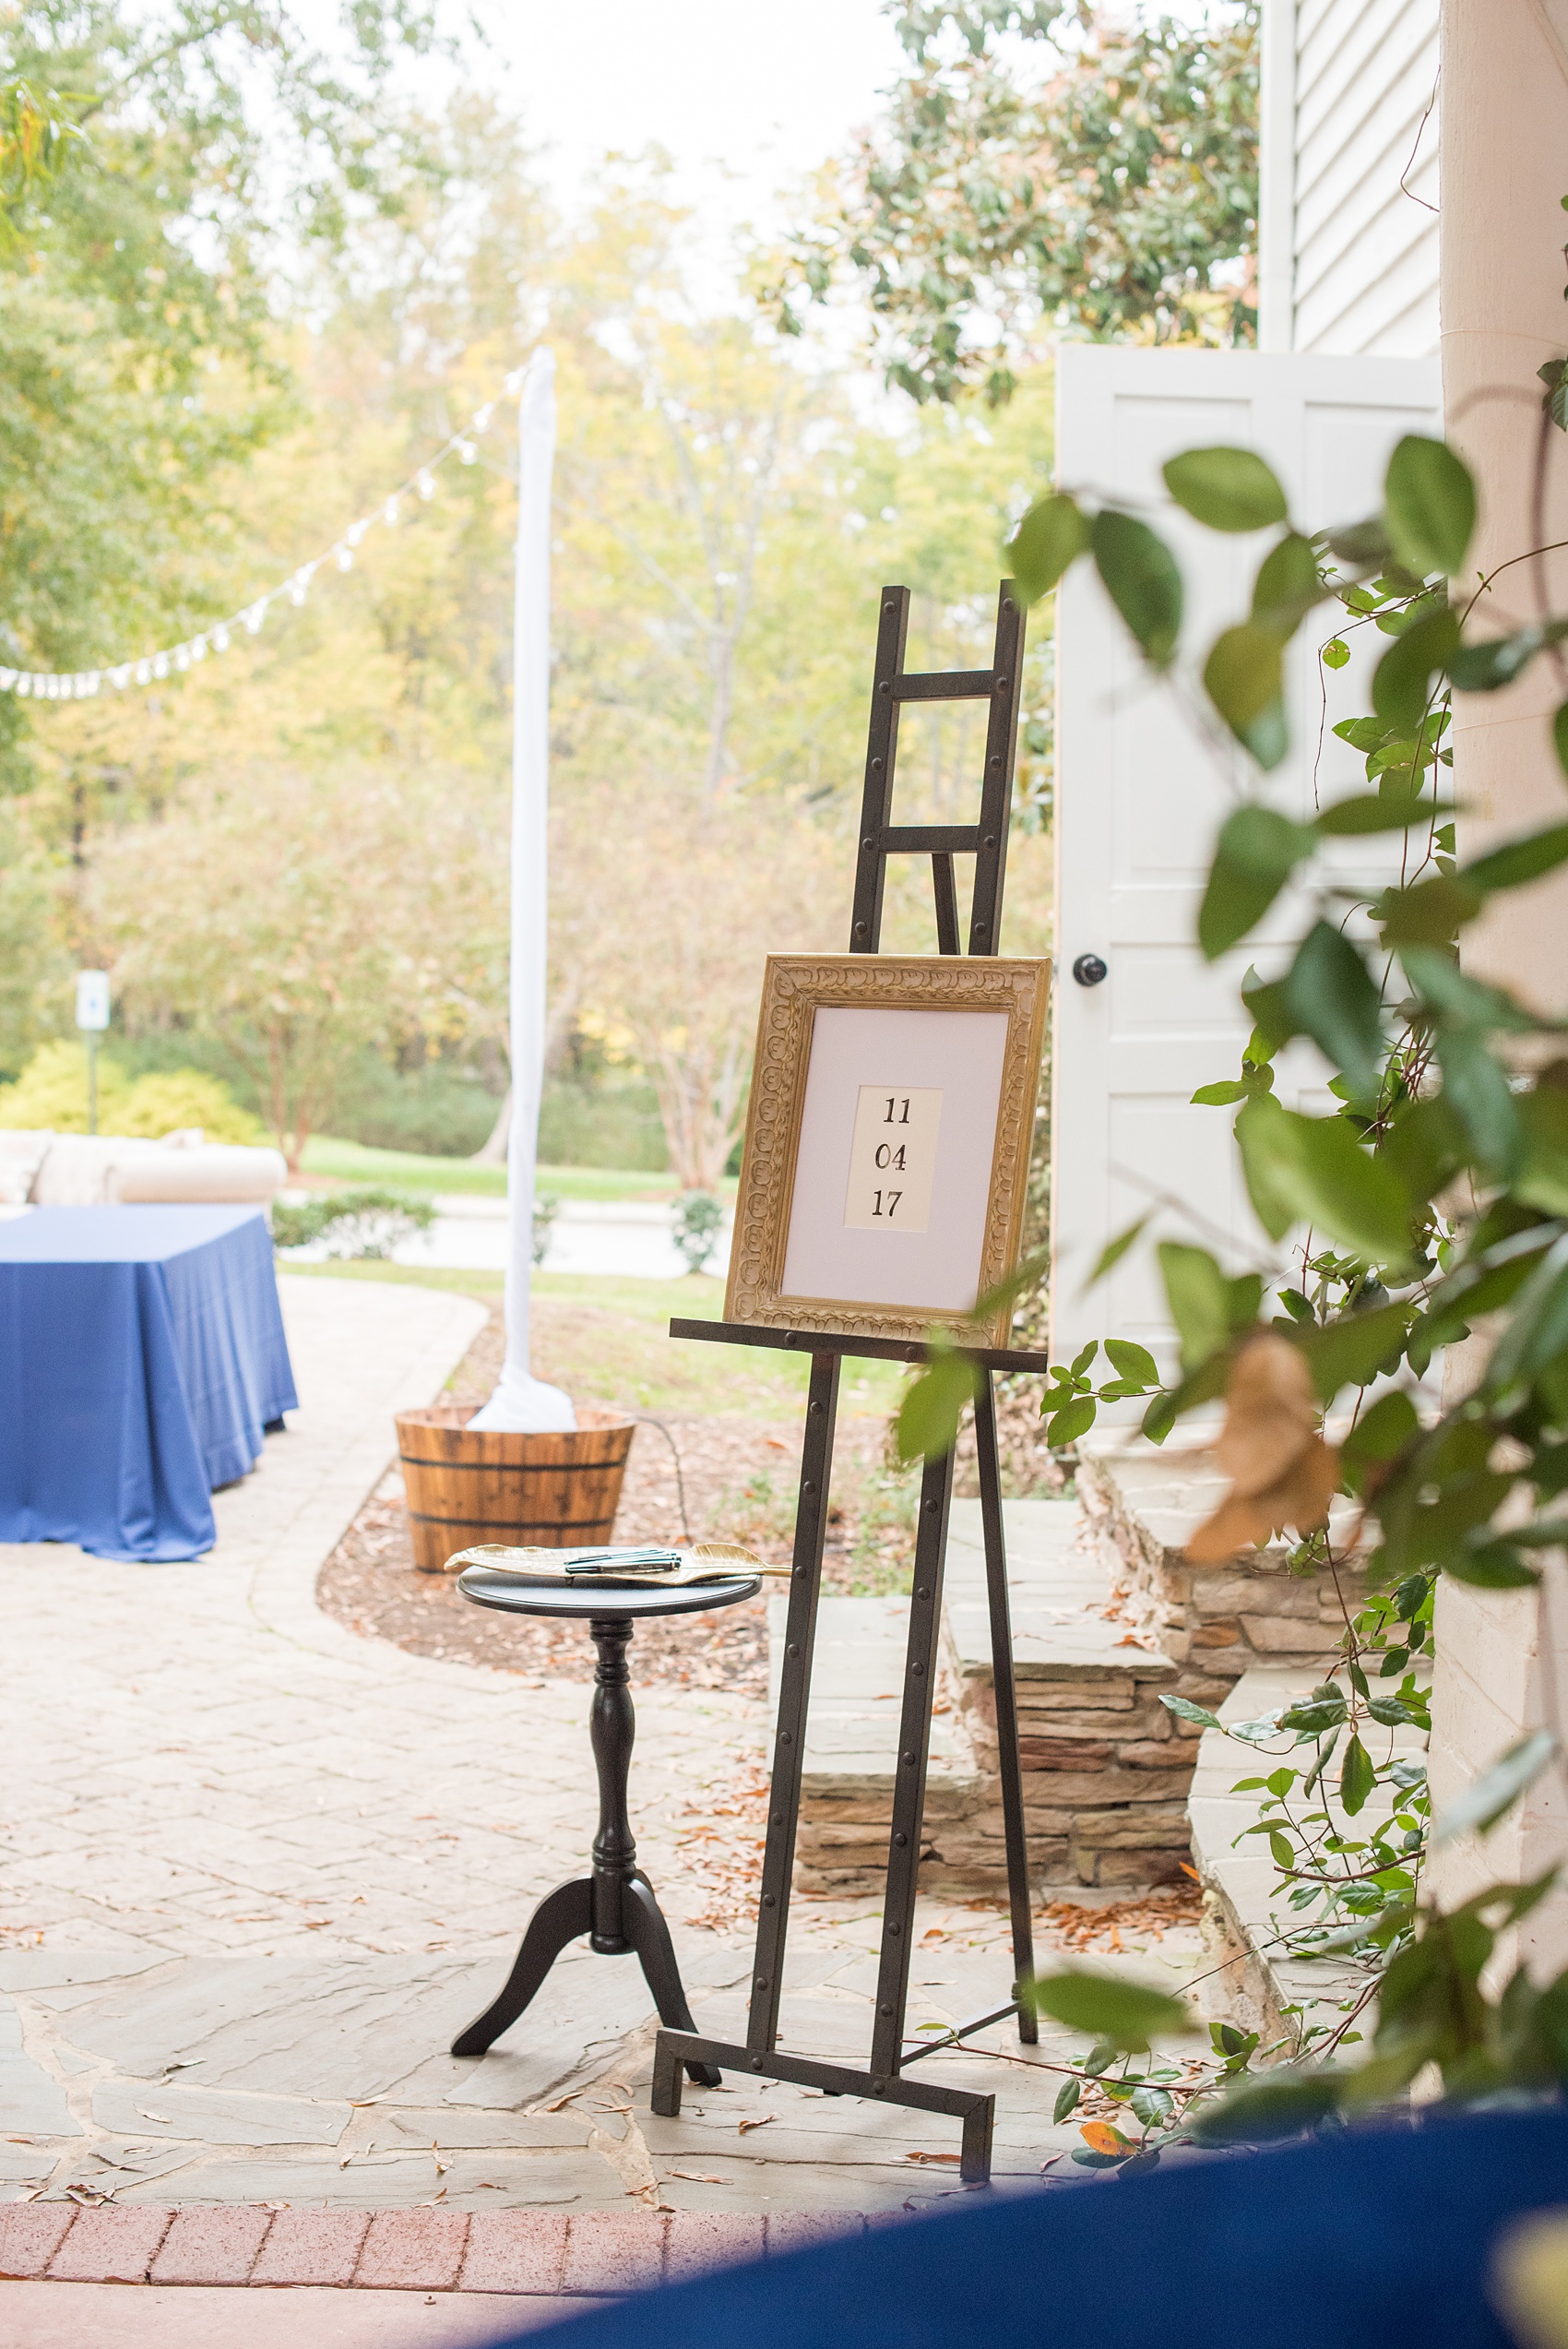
(550, 2252)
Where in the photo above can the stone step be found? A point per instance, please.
(1142, 1503)
(1106, 1765)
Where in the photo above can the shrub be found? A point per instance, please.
(363, 1223)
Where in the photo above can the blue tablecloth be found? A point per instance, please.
(141, 1356)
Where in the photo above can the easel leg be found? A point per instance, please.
(909, 1784)
(1008, 1762)
(789, 1752)
(559, 1917)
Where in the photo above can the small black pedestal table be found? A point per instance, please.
(614, 1905)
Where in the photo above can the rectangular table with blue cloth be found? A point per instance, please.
(142, 1356)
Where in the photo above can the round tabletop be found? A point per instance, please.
(487, 1587)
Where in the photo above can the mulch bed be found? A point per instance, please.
(726, 1478)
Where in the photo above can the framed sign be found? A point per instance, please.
(887, 1143)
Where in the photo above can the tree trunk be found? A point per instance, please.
(492, 1152)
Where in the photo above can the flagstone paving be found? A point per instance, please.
(255, 1871)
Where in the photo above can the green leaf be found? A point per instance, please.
(1402, 680)
(1331, 997)
(1542, 1180)
(1357, 1776)
(1536, 1332)
(1287, 586)
(1426, 1145)
(1052, 535)
(1476, 1086)
(1452, 990)
(1313, 1170)
(1281, 2103)
(1355, 1348)
(1199, 1297)
(1221, 1096)
(1489, 1565)
(1257, 851)
(1142, 580)
(1382, 1431)
(1133, 1361)
(1185, 1710)
(1226, 489)
(1243, 677)
(1334, 654)
(1377, 812)
(1497, 1790)
(1200, 1386)
(934, 1404)
(1428, 913)
(1364, 545)
(1067, 2097)
(1429, 506)
(1114, 1250)
(1516, 862)
(1126, 2013)
(1497, 661)
(1075, 1419)
(1559, 736)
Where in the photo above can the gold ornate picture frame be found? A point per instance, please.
(885, 1166)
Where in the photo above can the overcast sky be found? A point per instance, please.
(746, 97)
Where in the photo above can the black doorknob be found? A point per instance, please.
(1088, 971)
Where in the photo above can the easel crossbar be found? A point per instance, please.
(974, 2107)
(814, 1342)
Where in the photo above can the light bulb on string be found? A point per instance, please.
(160, 664)
(425, 482)
(355, 532)
(389, 513)
(345, 555)
(466, 451)
(482, 418)
(24, 686)
(121, 677)
(254, 617)
(144, 672)
(198, 649)
(220, 640)
(182, 657)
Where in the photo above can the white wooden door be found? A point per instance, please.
(1140, 797)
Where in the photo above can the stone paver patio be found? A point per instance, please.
(257, 1870)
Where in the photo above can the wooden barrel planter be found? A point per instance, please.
(550, 1492)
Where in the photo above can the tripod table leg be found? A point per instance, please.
(562, 1916)
(642, 1921)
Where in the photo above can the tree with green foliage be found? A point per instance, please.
(146, 161)
(1042, 169)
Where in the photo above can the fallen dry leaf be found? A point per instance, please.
(763, 2123)
(699, 2177)
(954, 2158)
(1282, 1473)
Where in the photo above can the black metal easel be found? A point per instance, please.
(890, 2057)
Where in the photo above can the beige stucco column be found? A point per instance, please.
(1504, 169)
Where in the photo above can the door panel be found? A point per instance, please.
(1142, 790)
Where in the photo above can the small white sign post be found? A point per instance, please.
(92, 1017)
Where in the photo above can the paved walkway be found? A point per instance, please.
(257, 1870)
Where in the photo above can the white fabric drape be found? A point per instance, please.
(522, 1403)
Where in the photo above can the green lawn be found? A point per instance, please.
(400, 1170)
(609, 1338)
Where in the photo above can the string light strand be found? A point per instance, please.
(152, 668)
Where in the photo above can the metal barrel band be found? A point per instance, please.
(528, 1525)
